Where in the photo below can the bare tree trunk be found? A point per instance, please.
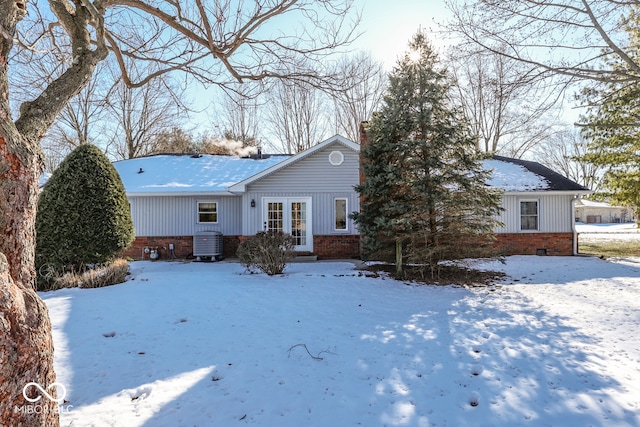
(26, 346)
(363, 88)
(295, 110)
(399, 261)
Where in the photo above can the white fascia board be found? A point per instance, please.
(241, 186)
(575, 193)
(179, 193)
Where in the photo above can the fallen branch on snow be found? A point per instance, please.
(317, 357)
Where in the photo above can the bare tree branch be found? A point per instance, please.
(362, 89)
(316, 357)
(507, 103)
(575, 40)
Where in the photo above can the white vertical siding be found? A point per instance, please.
(314, 174)
(554, 213)
(313, 177)
(317, 178)
(322, 211)
(177, 215)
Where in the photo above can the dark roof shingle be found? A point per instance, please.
(556, 181)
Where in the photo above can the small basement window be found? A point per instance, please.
(207, 212)
(529, 215)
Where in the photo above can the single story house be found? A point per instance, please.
(175, 198)
(178, 202)
(592, 212)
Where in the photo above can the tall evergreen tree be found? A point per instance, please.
(83, 213)
(424, 193)
(612, 127)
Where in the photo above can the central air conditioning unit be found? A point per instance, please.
(207, 244)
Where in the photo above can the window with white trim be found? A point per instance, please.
(340, 214)
(207, 212)
(529, 215)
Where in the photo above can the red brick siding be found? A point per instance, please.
(348, 246)
(230, 245)
(183, 246)
(559, 244)
(337, 246)
(325, 247)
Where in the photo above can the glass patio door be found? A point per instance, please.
(275, 217)
(290, 215)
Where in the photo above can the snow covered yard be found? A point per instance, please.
(204, 344)
(608, 232)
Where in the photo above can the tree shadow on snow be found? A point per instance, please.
(131, 350)
(462, 358)
(494, 359)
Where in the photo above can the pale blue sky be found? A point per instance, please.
(388, 26)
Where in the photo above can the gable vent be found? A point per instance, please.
(336, 158)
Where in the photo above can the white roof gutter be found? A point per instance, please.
(179, 193)
(575, 193)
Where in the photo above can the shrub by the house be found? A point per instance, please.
(83, 214)
(269, 252)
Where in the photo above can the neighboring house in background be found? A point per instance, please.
(591, 212)
(176, 198)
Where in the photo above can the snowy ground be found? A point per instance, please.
(205, 344)
(608, 232)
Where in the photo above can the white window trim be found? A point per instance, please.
(335, 216)
(198, 211)
(520, 229)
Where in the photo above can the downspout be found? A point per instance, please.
(573, 224)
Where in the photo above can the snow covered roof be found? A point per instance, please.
(515, 175)
(171, 174)
(184, 174)
(511, 177)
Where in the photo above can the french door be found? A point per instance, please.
(289, 215)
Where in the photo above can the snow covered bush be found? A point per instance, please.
(83, 215)
(269, 252)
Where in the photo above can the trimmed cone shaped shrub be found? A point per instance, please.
(83, 214)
